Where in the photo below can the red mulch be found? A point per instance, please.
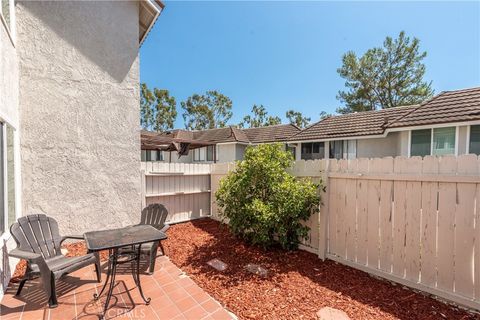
(299, 284)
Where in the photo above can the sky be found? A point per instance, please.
(285, 55)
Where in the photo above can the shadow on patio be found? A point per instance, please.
(174, 296)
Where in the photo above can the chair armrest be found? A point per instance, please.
(26, 255)
(78, 237)
(165, 228)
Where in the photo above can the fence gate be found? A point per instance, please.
(183, 188)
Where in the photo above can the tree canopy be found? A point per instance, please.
(158, 110)
(208, 111)
(297, 118)
(384, 77)
(259, 118)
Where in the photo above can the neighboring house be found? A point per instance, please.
(221, 145)
(449, 123)
(69, 113)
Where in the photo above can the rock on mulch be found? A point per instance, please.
(298, 284)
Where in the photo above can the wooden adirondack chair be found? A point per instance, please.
(39, 242)
(155, 215)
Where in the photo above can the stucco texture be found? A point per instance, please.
(79, 112)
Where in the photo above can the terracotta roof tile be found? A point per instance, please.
(274, 133)
(352, 124)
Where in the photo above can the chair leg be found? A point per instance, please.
(161, 248)
(52, 301)
(151, 267)
(98, 271)
(20, 286)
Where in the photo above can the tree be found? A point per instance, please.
(297, 118)
(384, 77)
(324, 115)
(207, 111)
(259, 118)
(158, 110)
(263, 203)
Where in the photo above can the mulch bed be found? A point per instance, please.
(298, 283)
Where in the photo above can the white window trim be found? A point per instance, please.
(457, 133)
(467, 148)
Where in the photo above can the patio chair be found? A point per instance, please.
(39, 242)
(155, 215)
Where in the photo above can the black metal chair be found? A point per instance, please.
(39, 242)
(155, 215)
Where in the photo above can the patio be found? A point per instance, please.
(174, 296)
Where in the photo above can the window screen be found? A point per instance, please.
(474, 146)
(444, 141)
(421, 142)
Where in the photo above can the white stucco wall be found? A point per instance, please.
(79, 111)
(379, 147)
(9, 114)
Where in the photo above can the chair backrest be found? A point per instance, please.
(155, 215)
(37, 233)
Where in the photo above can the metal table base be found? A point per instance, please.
(114, 259)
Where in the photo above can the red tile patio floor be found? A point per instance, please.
(174, 296)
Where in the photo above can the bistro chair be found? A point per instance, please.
(39, 243)
(155, 215)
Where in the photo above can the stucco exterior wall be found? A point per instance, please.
(462, 139)
(8, 114)
(79, 111)
(378, 147)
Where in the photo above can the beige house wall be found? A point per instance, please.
(79, 111)
(378, 147)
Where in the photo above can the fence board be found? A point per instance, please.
(385, 218)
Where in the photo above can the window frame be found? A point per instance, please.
(469, 138)
(10, 25)
(432, 131)
(5, 234)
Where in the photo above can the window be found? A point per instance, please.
(291, 149)
(315, 150)
(343, 149)
(421, 142)
(10, 176)
(5, 12)
(443, 141)
(152, 155)
(205, 153)
(474, 143)
(7, 177)
(210, 153)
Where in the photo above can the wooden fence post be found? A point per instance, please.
(323, 216)
(144, 195)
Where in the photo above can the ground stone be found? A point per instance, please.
(328, 313)
(257, 269)
(217, 264)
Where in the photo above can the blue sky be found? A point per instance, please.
(284, 55)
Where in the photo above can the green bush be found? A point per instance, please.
(263, 203)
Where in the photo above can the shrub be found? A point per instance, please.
(263, 203)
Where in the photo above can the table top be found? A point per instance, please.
(116, 238)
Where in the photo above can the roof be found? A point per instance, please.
(274, 133)
(446, 107)
(352, 124)
(148, 13)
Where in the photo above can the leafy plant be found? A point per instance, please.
(263, 203)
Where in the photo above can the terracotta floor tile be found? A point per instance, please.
(174, 296)
(195, 313)
(221, 314)
(186, 304)
(210, 305)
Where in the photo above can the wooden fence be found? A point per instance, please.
(411, 220)
(183, 188)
